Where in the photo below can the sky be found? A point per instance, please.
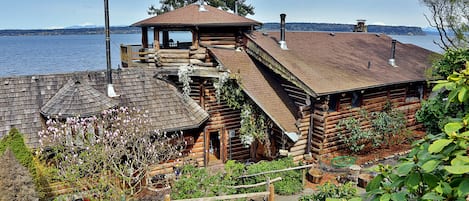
(50, 14)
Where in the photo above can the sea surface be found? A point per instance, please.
(30, 55)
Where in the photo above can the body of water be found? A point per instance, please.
(28, 55)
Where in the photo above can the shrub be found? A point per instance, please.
(112, 152)
(434, 113)
(198, 182)
(291, 182)
(329, 190)
(385, 127)
(15, 142)
(15, 181)
(351, 132)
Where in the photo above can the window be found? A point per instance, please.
(414, 93)
(175, 39)
(334, 102)
(356, 99)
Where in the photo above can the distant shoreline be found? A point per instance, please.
(294, 26)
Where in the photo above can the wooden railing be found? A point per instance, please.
(269, 194)
(136, 55)
(132, 55)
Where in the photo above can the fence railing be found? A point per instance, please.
(269, 194)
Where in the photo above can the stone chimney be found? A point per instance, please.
(360, 26)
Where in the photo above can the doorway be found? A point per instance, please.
(214, 148)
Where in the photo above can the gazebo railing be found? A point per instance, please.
(132, 55)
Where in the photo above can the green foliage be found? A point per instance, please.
(385, 126)
(434, 114)
(199, 182)
(452, 60)
(291, 182)
(330, 191)
(254, 122)
(437, 111)
(15, 142)
(437, 168)
(253, 125)
(353, 135)
(230, 92)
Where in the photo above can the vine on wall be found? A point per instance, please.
(254, 123)
(184, 78)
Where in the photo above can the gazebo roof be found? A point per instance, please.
(192, 16)
(77, 98)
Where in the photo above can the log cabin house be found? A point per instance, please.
(304, 82)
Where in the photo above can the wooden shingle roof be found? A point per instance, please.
(77, 99)
(261, 87)
(190, 16)
(331, 63)
(23, 97)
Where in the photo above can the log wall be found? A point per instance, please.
(228, 38)
(325, 121)
(222, 119)
(179, 57)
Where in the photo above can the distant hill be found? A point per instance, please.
(302, 26)
(295, 26)
(68, 31)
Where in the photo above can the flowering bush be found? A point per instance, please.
(122, 143)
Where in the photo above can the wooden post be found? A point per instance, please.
(311, 128)
(195, 38)
(129, 55)
(206, 147)
(145, 37)
(267, 187)
(271, 192)
(303, 176)
(156, 38)
(165, 39)
(167, 197)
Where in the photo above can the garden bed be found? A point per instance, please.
(389, 155)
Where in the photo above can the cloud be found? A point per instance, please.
(54, 27)
(85, 24)
(378, 23)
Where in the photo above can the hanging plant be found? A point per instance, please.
(254, 123)
(219, 83)
(228, 90)
(184, 78)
